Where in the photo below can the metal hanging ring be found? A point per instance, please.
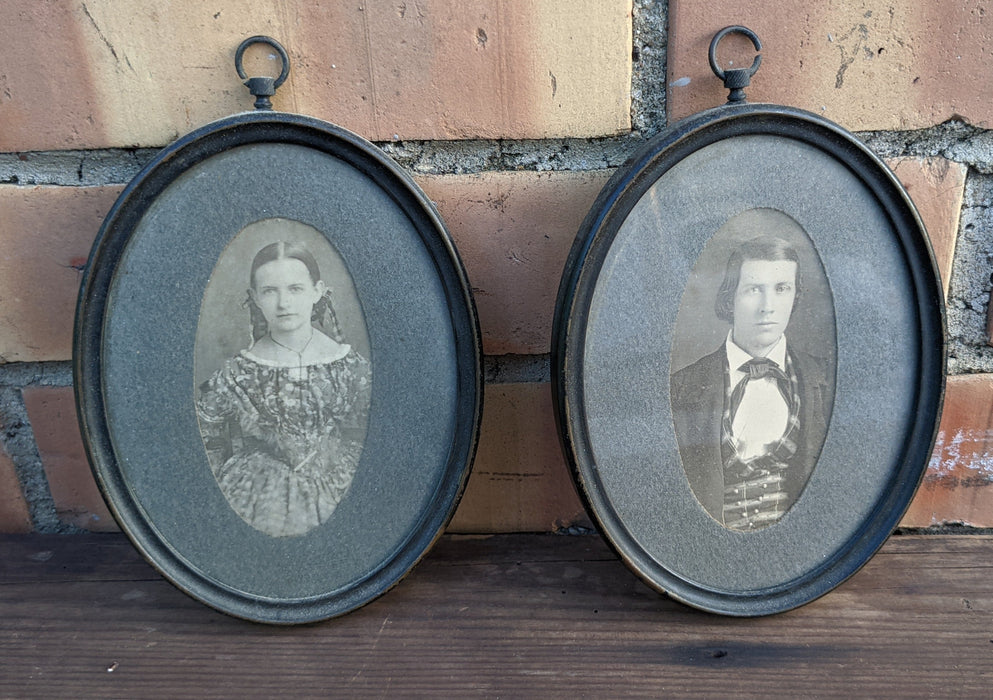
(252, 40)
(735, 29)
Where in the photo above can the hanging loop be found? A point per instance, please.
(735, 79)
(262, 87)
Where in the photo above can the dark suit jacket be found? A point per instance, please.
(698, 408)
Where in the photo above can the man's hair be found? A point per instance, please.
(760, 248)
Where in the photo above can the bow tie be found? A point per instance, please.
(759, 367)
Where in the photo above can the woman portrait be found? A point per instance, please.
(283, 417)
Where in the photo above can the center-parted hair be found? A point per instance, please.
(760, 248)
(281, 250)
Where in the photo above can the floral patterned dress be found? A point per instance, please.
(284, 441)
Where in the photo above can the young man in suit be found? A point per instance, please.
(751, 417)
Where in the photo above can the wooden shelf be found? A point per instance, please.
(508, 616)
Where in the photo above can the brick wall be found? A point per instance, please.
(511, 115)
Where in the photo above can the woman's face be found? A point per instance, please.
(285, 293)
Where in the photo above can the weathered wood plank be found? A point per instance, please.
(527, 615)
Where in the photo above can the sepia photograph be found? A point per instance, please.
(751, 411)
(723, 359)
(283, 418)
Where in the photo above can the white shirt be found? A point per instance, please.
(763, 414)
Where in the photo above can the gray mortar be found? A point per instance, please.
(953, 140)
(73, 168)
(648, 78)
(18, 440)
(459, 157)
(969, 291)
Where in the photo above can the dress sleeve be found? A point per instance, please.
(353, 396)
(360, 386)
(215, 397)
(215, 407)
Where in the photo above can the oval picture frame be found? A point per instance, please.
(370, 432)
(644, 390)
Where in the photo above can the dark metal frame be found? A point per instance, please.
(581, 279)
(246, 130)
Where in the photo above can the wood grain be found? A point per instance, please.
(510, 615)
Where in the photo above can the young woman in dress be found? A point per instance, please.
(283, 421)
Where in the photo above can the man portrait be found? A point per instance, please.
(751, 414)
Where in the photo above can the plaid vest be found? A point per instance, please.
(754, 496)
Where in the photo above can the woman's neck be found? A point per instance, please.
(296, 340)
(320, 348)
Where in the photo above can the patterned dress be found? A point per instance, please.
(283, 442)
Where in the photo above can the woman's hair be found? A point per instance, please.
(323, 314)
(761, 248)
(281, 250)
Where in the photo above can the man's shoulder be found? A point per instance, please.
(814, 368)
(706, 371)
(705, 364)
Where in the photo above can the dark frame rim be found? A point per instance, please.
(579, 281)
(92, 310)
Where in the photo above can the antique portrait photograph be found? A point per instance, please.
(283, 377)
(283, 416)
(747, 359)
(753, 369)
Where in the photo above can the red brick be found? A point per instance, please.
(46, 234)
(513, 231)
(14, 514)
(866, 65)
(119, 73)
(52, 412)
(936, 186)
(958, 486)
(519, 481)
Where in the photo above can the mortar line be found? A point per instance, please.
(18, 440)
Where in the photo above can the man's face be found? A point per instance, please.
(763, 303)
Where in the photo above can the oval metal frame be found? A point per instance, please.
(92, 312)
(579, 283)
